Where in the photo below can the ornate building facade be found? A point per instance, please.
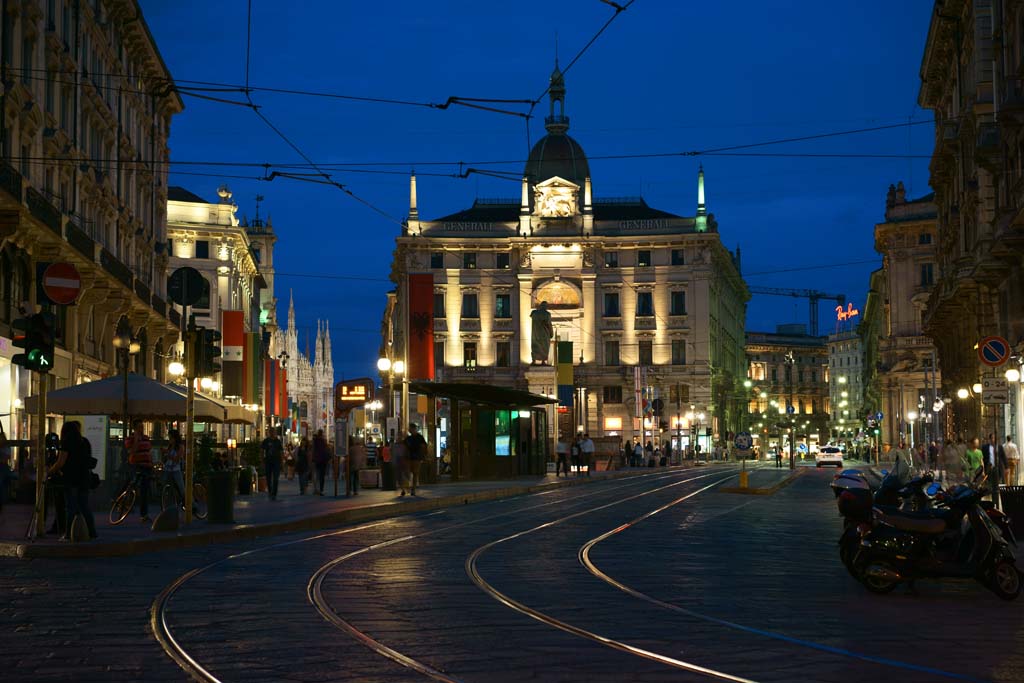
(83, 179)
(647, 306)
(310, 376)
(971, 80)
(789, 374)
(908, 377)
(846, 385)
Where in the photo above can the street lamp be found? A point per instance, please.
(911, 418)
(176, 368)
(976, 388)
(124, 346)
(391, 368)
(1013, 375)
(962, 393)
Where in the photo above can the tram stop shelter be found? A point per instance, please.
(493, 432)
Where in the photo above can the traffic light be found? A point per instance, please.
(207, 352)
(37, 338)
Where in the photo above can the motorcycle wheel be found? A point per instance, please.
(1005, 580)
(878, 585)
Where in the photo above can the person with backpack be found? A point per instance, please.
(76, 463)
(321, 458)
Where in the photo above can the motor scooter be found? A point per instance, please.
(959, 540)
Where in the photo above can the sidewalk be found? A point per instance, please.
(257, 516)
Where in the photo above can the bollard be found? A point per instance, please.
(744, 479)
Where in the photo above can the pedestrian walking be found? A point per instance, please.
(973, 460)
(637, 456)
(302, 464)
(576, 454)
(321, 457)
(949, 463)
(933, 456)
(75, 462)
(995, 456)
(400, 456)
(416, 452)
(587, 453)
(54, 492)
(1012, 460)
(649, 453)
(273, 454)
(140, 458)
(562, 450)
(357, 461)
(289, 460)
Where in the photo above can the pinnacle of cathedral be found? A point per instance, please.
(291, 309)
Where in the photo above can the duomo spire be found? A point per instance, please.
(310, 378)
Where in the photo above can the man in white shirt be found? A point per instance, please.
(587, 451)
(1012, 460)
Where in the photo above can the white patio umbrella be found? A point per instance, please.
(147, 400)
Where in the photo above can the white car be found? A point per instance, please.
(828, 455)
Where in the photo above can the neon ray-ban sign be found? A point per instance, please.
(847, 313)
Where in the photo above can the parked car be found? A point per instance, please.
(828, 455)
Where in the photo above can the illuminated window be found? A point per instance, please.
(611, 352)
(678, 302)
(611, 305)
(611, 259)
(613, 394)
(503, 306)
(646, 352)
(644, 303)
(470, 306)
(643, 258)
(502, 261)
(678, 352)
(503, 354)
(469, 355)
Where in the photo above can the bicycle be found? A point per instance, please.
(170, 492)
(124, 502)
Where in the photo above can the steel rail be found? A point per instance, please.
(474, 574)
(585, 560)
(161, 628)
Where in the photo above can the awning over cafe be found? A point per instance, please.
(483, 394)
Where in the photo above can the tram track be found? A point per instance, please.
(474, 573)
(584, 556)
(163, 631)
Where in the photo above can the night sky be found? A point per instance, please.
(666, 76)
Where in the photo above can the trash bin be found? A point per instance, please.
(387, 476)
(245, 481)
(1012, 500)
(428, 470)
(220, 497)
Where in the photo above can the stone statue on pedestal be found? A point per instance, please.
(542, 332)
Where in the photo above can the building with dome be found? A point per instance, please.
(647, 306)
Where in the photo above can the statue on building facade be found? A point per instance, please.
(541, 334)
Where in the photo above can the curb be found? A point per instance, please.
(28, 550)
(766, 491)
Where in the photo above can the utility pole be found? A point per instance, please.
(790, 362)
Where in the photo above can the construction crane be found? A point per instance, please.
(813, 295)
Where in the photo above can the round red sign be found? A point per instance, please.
(62, 283)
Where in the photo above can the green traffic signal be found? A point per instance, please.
(37, 340)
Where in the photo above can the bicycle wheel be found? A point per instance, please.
(168, 497)
(122, 505)
(199, 508)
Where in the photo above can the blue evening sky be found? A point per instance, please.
(666, 76)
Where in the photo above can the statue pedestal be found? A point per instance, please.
(540, 379)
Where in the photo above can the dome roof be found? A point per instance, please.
(557, 154)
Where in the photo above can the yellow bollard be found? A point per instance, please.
(744, 479)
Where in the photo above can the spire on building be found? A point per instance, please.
(414, 212)
(291, 310)
(556, 123)
(701, 223)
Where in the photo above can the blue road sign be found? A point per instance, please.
(878, 415)
(790, 409)
(744, 441)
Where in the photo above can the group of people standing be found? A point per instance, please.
(960, 460)
(310, 460)
(580, 452)
(649, 455)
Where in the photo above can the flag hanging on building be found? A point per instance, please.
(252, 368)
(270, 392)
(232, 352)
(421, 327)
(282, 387)
(564, 373)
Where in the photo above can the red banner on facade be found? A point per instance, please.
(420, 364)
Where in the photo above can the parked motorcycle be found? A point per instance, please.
(959, 540)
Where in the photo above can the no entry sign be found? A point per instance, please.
(993, 351)
(62, 283)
